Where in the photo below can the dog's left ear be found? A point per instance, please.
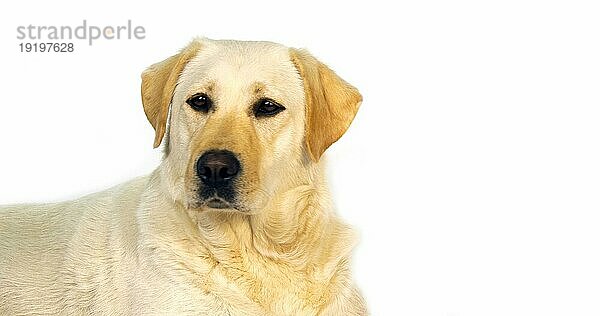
(158, 85)
(331, 103)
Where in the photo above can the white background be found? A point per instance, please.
(472, 170)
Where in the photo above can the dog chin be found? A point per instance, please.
(219, 204)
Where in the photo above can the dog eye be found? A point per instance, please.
(267, 107)
(200, 102)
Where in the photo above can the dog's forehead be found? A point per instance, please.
(241, 65)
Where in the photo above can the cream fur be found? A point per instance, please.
(145, 247)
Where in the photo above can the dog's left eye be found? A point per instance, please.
(267, 107)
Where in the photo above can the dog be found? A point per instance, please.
(236, 220)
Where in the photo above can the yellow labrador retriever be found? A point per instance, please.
(237, 219)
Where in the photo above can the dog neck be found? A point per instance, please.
(298, 228)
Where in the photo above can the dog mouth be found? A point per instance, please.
(217, 198)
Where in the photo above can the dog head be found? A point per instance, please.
(246, 120)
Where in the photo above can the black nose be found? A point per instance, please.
(217, 167)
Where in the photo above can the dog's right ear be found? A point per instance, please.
(158, 85)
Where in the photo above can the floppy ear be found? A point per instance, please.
(158, 85)
(331, 103)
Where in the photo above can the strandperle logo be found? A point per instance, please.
(84, 31)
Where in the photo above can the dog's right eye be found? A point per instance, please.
(200, 102)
